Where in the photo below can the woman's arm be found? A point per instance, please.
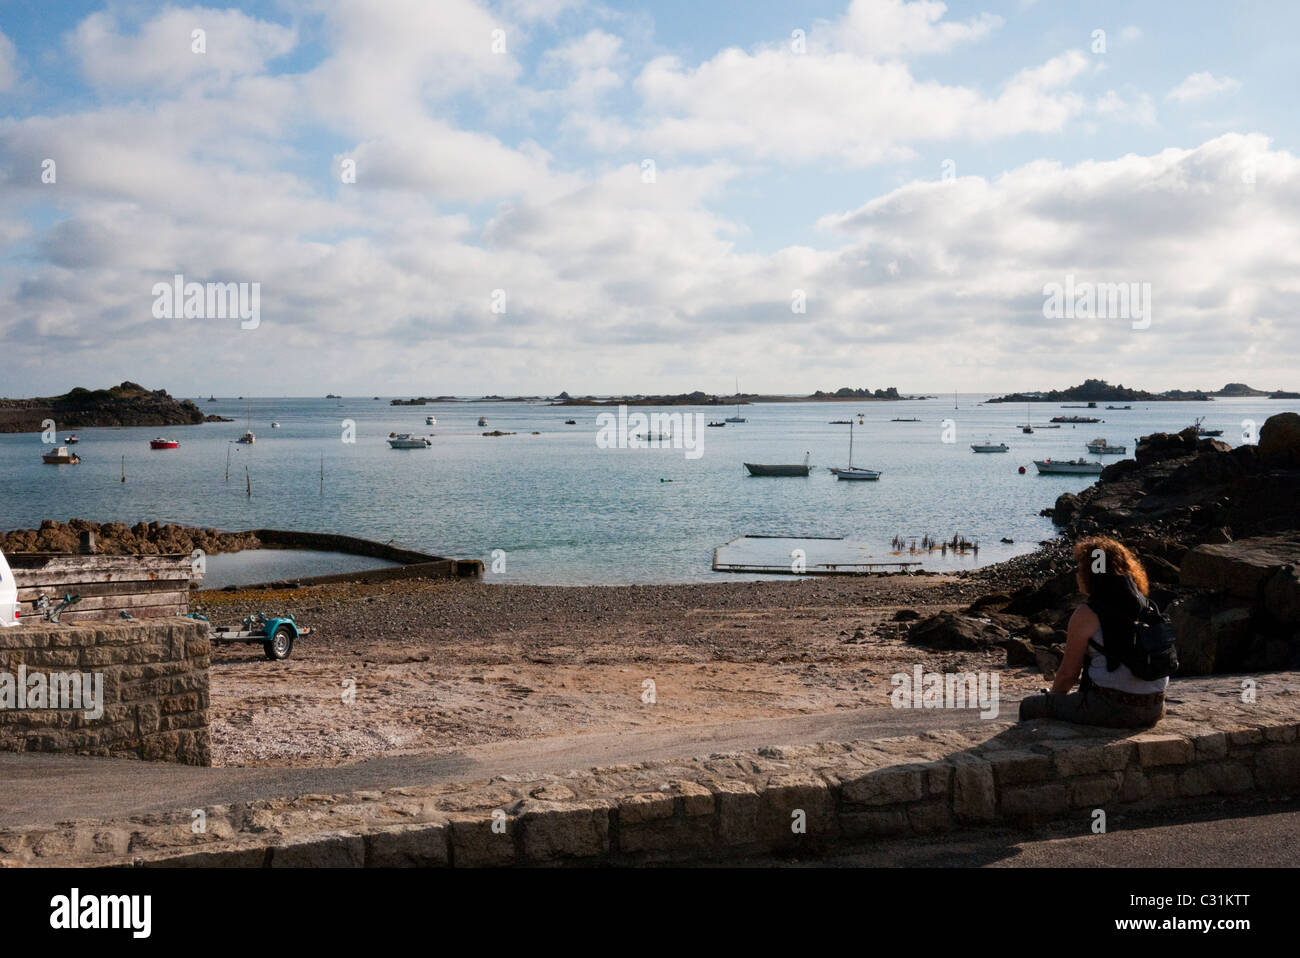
(1083, 626)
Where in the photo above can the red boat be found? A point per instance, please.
(163, 444)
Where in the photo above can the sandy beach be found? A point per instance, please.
(440, 665)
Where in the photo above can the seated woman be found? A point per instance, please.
(1114, 585)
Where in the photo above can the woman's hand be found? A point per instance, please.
(1083, 626)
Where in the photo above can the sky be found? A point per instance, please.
(521, 197)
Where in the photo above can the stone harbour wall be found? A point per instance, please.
(154, 689)
(735, 804)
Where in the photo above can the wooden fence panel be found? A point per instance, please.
(142, 586)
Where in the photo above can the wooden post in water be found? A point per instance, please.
(227, 462)
(124, 468)
(322, 473)
(249, 480)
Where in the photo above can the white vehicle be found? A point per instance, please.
(8, 594)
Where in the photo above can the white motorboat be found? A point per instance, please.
(275, 425)
(1068, 467)
(987, 446)
(1100, 447)
(404, 440)
(482, 420)
(60, 456)
(431, 420)
(247, 438)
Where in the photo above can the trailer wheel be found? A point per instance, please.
(280, 644)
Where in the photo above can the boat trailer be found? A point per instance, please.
(276, 632)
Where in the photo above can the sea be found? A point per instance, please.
(562, 504)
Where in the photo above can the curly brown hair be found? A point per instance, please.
(1112, 556)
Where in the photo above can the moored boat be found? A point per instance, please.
(990, 446)
(1201, 431)
(1100, 447)
(161, 443)
(482, 420)
(431, 420)
(795, 469)
(1075, 419)
(717, 425)
(404, 440)
(72, 440)
(851, 471)
(60, 456)
(855, 472)
(247, 438)
(737, 417)
(1068, 467)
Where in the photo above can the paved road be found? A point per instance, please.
(43, 789)
(1219, 836)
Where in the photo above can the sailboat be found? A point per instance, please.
(1027, 428)
(248, 438)
(851, 471)
(737, 417)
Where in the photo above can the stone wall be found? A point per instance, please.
(1213, 748)
(154, 689)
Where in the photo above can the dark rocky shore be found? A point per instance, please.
(117, 538)
(1217, 529)
(127, 404)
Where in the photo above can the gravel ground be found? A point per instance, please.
(421, 666)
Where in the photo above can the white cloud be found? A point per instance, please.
(162, 50)
(1198, 86)
(215, 177)
(854, 110)
(590, 63)
(897, 28)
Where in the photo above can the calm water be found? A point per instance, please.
(565, 511)
(271, 565)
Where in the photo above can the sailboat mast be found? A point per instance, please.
(850, 443)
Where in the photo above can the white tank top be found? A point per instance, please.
(1122, 679)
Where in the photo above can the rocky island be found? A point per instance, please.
(1098, 390)
(127, 404)
(700, 398)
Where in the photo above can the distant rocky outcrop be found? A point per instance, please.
(845, 392)
(699, 398)
(1239, 389)
(128, 404)
(1098, 390)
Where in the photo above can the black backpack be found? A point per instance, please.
(1133, 629)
